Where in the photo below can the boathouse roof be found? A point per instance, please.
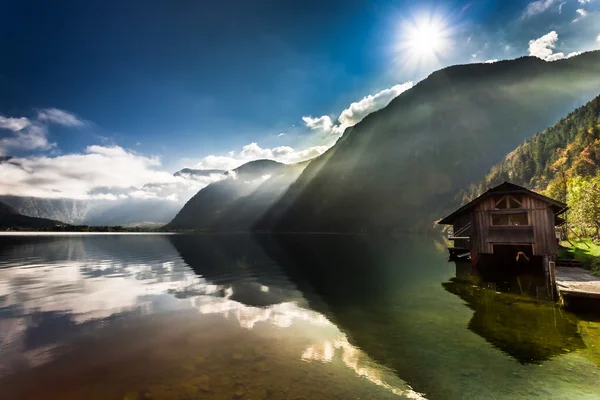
(504, 189)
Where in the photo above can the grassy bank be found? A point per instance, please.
(584, 250)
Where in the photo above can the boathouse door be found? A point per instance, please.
(515, 268)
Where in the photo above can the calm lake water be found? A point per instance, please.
(261, 317)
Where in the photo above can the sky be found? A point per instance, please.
(98, 99)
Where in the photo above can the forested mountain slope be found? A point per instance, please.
(568, 148)
(237, 202)
(401, 167)
(562, 162)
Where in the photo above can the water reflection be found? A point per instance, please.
(385, 295)
(528, 330)
(254, 280)
(293, 316)
(156, 317)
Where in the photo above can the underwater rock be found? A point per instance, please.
(239, 392)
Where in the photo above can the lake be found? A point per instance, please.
(141, 317)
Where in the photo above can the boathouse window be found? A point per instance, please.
(508, 203)
(511, 219)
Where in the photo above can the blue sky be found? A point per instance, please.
(173, 82)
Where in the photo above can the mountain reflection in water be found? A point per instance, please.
(271, 317)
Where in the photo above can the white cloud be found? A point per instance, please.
(14, 124)
(56, 116)
(99, 173)
(281, 135)
(561, 6)
(323, 123)
(598, 39)
(537, 7)
(110, 172)
(357, 110)
(543, 48)
(33, 134)
(32, 138)
(491, 61)
(253, 152)
(584, 1)
(218, 162)
(25, 135)
(582, 14)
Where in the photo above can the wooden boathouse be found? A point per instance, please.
(508, 229)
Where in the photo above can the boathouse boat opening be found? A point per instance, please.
(509, 235)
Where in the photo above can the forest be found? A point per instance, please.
(562, 162)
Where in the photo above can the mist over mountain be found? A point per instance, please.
(401, 167)
(11, 218)
(67, 210)
(198, 172)
(150, 205)
(237, 202)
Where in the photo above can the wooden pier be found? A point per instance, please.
(577, 285)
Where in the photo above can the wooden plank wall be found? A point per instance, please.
(481, 225)
(539, 214)
(542, 219)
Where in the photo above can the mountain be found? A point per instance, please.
(237, 202)
(126, 211)
(11, 218)
(68, 210)
(571, 147)
(96, 212)
(401, 167)
(562, 162)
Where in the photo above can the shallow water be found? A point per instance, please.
(261, 317)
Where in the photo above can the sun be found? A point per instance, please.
(424, 40)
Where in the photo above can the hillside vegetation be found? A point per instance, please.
(562, 162)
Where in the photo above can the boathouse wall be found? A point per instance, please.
(539, 231)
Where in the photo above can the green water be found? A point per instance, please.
(262, 317)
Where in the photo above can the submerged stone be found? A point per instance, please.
(239, 393)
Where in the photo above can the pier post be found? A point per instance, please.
(550, 272)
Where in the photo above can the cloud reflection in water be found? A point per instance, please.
(80, 285)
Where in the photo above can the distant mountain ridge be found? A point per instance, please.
(67, 210)
(104, 212)
(11, 218)
(401, 167)
(236, 203)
